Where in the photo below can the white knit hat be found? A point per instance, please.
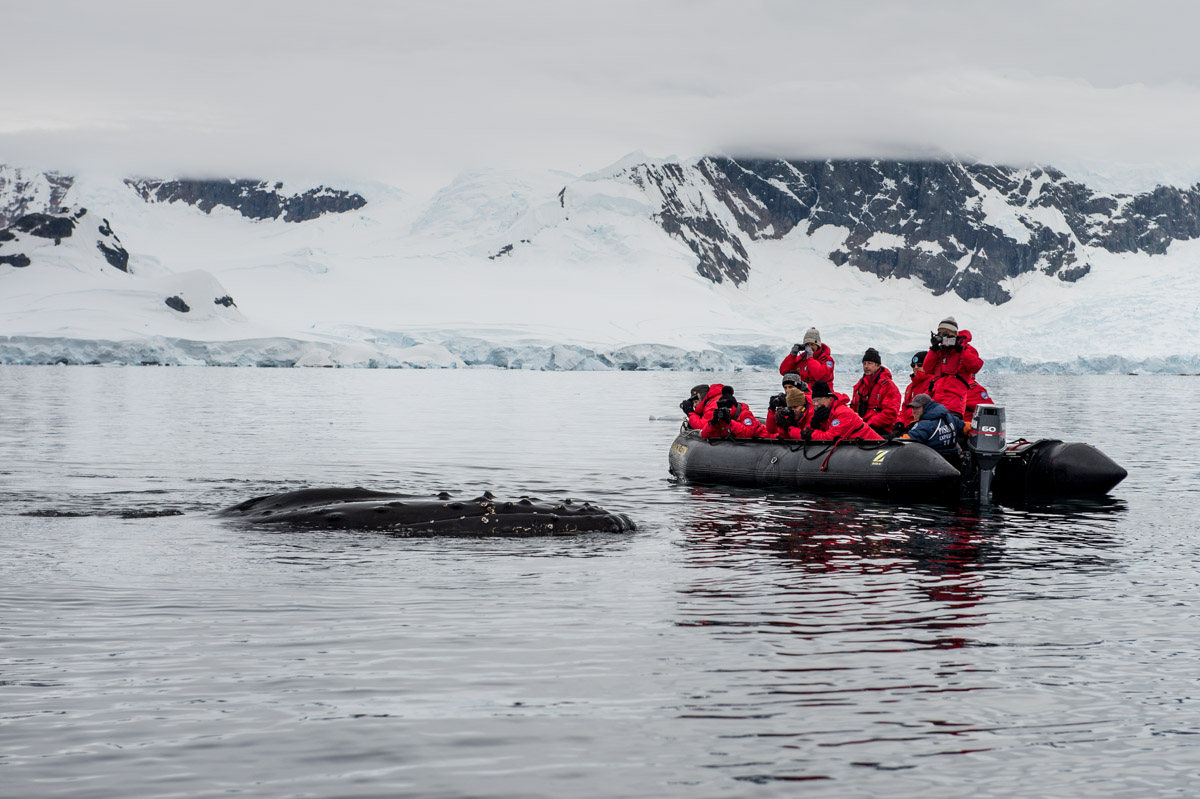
(949, 324)
(813, 336)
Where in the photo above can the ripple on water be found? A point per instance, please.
(738, 643)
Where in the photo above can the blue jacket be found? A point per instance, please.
(937, 428)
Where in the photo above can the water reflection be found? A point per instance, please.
(839, 617)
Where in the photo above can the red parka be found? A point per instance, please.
(976, 395)
(844, 423)
(877, 400)
(742, 425)
(703, 410)
(811, 368)
(791, 431)
(917, 384)
(951, 372)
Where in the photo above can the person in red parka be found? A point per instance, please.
(731, 418)
(789, 418)
(976, 395)
(811, 359)
(833, 418)
(918, 383)
(876, 398)
(950, 363)
(695, 405)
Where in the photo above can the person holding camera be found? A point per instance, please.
(876, 398)
(951, 364)
(694, 406)
(833, 418)
(731, 419)
(790, 412)
(811, 359)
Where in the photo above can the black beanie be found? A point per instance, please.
(871, 355)
(821, 389)
(699, 391)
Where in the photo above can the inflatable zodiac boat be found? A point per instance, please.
(900, 469)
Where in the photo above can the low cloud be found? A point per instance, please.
(413, 93)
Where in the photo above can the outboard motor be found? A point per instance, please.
(986, 442)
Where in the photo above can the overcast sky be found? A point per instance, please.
(414, 92)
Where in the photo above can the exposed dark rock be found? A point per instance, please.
(116, 256)
(226, 301)
(505, 250)
(7, 235)
(687, 217)
(177, 303)
(22, 187)
(965, 228)
(254, 199)
(46, 226)
(18, 260)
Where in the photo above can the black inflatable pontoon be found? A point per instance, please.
(894, 469)
(1052, 468)
(891, 469)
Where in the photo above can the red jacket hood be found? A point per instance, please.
(714, 394)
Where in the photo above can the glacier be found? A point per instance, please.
(544, 271)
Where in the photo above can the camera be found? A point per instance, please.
(722, 415)
(785, 417)
(777, 401)
(942, 342)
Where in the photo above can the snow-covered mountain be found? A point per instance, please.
(715, 263)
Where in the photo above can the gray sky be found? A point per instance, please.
(414, 92)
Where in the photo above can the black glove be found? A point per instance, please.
(958, 346)
(796, 350)
(898, 428)
(688, 406)
(777, 401)
(784, 417)
(935, 341)
(806, 434)
(820, 415)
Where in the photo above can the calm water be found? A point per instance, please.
(739, 642)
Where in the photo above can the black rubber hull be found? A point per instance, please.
(889, 469)
(1058, 469)
(1044, 469)
(362, 509)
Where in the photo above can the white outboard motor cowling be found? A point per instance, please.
(986, 442)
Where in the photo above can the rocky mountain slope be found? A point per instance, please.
(954, 227)
(253, 199)
(714, 263)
